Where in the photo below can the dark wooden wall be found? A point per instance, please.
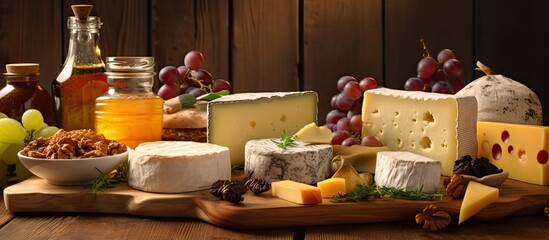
(287, 45)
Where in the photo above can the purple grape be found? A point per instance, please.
(413, 84)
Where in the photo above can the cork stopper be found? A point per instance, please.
(22, 68)
(82, 11)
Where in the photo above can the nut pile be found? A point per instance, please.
(74, 144)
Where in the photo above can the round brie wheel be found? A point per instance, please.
(177, 166)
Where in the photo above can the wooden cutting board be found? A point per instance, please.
(262, 211)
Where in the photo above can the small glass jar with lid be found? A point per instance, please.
(23, 91)
(129, 112)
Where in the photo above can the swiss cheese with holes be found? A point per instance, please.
(439, 126)
(519, 149)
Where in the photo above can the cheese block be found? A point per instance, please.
(301, 162)
(296, 192)
(331, 186)
(237, 118)
(477, 197)
(406, 170)
(176, 167)
(438, 126)
(522, 150)
(312, 133)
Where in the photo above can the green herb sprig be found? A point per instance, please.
(109, 180)
(365, 192)
(285, 140)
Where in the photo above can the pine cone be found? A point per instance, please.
(432, 219)
(457, 186)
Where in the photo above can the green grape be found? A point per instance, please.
(45, 132)
(10, 155)
(11, 131)
(44, 125)
(3, 147)
(2, 115)
(22, 172)
(32, 120)
(3, 174)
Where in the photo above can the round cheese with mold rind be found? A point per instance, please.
(177, 166)
(406, 170)
(301, 162)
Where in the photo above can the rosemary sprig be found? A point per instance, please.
(285, 140)
(364, 192)
(109, 180)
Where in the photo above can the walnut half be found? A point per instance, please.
(432, 219)
(457, 186)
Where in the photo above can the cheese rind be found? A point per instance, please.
(477, 197)
(331, 186)
(176, 167)
(438, 126)
(406, 170)
(296, 192)
(518, 149)
(237, 118)
(301, 162)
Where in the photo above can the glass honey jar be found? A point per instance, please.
(130, 112)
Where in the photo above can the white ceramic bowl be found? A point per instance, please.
(71, 171)
(493, 180)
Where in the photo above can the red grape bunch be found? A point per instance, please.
(189, 78)
(345, 120)
(443, 75)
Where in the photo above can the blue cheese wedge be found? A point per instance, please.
(177, 167)
(406, 170)
(237, 118)
(300, 162)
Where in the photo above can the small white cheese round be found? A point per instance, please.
(301, 162)
(177, 166)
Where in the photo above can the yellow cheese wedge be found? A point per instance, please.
(347, 172)
(477, 197)
(522, 150)
(331, 186)
(296, 192)
(312, 133)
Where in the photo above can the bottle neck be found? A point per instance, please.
(14, 78)
(130, 83)
(84, 48)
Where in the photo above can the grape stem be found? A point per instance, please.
(187, 76)
(425, 48)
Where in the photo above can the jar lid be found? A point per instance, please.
(22, 68)
(130, 64)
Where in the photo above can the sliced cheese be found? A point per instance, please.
(362, 158)
(237, 118)
(477, 197)
(312, 133)
(296, 192)
(522, 150)
(332, 186)
(347, 172)
(305, 163)
(176, 167)
(406, 170)
(438, 126)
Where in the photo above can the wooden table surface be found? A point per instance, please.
(103, 226)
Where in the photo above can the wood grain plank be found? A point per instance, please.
(341, 38)
(30, 31)
(35, 226)
(257, 211)
(5, 215)
(265, 50)
(178, 27)
(442, 24)
(125, 26)
(508, 228)
(512, 40)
